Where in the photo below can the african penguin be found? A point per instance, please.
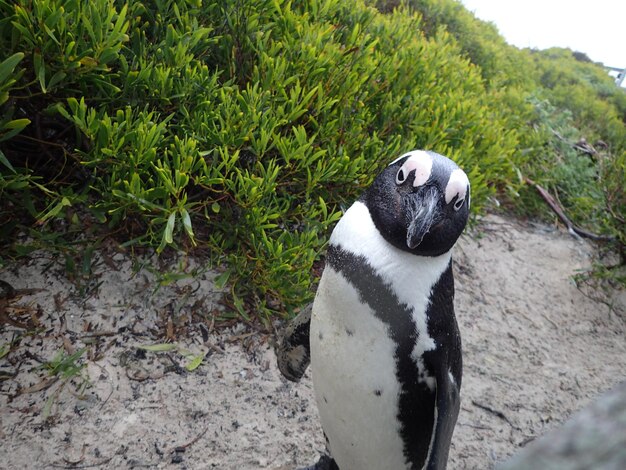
(381, 335)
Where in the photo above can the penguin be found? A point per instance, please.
(381, 334)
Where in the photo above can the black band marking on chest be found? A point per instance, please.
(416, 401)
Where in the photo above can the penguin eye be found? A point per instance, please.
(400, 177)
(459, 203)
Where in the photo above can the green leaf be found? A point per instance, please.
(187, 223)
(70, 266)
(241, 310)
(47, 409)
(168, 235)
(15, 127)
(65, 202)
(64, 365)
(5, 349)
(87, 261)
(161, 347)
(221, 280)
(17, 123)
(5, 161)
(56, 78)
(40, 70)
(195, 362)
(88, 62)
(7, 66)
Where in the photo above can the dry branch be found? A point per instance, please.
(558, 210)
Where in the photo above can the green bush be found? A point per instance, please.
(242, 128)
(590, 186)
(499, 63)
(547, 93)
(587, 91)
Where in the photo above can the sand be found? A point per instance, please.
(537, 347)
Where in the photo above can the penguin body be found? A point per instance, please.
(384, 344)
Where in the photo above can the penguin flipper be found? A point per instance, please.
(293, 351)
(448, 405)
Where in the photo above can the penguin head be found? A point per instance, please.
(420, 203)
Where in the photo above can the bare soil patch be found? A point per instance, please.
(536, 349)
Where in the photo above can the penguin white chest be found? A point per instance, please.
(369, 313)
(354, 375)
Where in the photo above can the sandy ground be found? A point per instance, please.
(536, 349)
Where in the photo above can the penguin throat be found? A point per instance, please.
(411, 275)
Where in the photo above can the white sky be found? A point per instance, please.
(597, 28)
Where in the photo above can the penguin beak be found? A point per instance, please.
(421, 211)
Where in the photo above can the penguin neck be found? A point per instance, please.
(411, 276)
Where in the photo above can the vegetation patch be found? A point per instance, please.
(241, 129)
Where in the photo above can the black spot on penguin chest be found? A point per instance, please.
(416, 403)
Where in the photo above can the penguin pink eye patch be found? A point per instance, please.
(422, 164)
(457, 187)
